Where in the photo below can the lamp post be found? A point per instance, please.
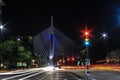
(104, 35)
(18, 39)
(1, 29)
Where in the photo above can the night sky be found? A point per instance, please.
(29, 17)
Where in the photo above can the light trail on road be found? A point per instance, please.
(20, 75)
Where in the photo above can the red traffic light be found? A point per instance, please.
(68, 59)
(86, 33)
(73, 58)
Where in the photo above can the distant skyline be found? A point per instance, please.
(33, 16)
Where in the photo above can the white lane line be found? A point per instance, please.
(18, 75)
(76, 79)
(20, 71)
(73, 75)
(45, 76)
(31, 75)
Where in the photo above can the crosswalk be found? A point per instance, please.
(45, 75)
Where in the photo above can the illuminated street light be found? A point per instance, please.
(1, 27)
(1, 30)
(104, 35)
(18, 39)
(50, 57)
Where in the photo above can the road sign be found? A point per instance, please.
(87, 61)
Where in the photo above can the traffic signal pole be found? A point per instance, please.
(87, 60)
(87, 35)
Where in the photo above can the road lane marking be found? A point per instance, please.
(45, 76)
(18, 75)
(31, 75)
(73, 75)
(68, 79)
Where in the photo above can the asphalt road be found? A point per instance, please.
(42, 75)
(106, 75)
(73, 74)
(56, 75)
(99, 75)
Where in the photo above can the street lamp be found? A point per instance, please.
(1, 28)
(104, 35)
(18, 39)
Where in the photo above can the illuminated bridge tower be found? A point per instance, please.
(51, 55)
(50, 43)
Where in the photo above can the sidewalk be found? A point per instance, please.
(82, 74)
(98, 75)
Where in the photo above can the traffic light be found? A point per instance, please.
(86, 41)
(86, 35)
(73, 59)
(60, 60)
(68, 59)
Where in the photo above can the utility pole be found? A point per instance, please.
(1, 27)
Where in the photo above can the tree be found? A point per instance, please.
(12, 51)
(83, 56)
(8, 50)
(8, 53)
(114, 54)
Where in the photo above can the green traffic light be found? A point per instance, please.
(87, 43)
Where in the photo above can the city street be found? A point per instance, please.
(59, 40)
(106, 75)
(41, 75)
(98, 74)
(62, 74)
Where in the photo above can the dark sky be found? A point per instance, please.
(29, 17)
